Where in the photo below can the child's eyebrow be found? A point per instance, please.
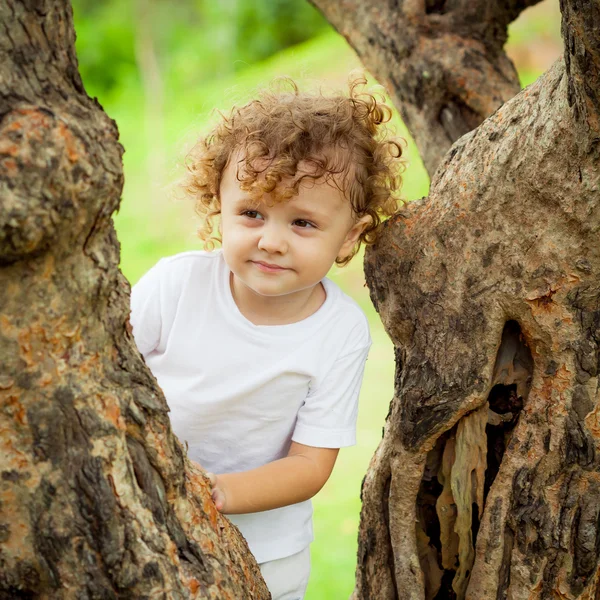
(246, 201)
(312, 215)
(309, 212)
(300, 211)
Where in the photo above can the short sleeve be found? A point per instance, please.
(145, 316)
(327, 419)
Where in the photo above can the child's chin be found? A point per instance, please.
(271, 291)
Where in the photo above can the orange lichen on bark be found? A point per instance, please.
(112, 410)
(193, 584)
(551, 390)
(561, 381)
(198, 488)
(16, 516)
(69, 142)
(208, 506)
(15, 125)
(8, 148)
(33, 125)
(27, 339)
(12, 406)
(17, 458)
(408, 223)
(172, 552)
(45, 380)
(11, 166)
(90, 364)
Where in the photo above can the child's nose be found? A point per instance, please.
(272, 239)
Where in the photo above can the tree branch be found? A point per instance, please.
(36, 63)
(581, 35)
(442, 62)
(487, 21)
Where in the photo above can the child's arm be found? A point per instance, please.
(297, 477)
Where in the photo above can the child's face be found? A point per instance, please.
(279, 248)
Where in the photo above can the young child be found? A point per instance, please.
(260, 356)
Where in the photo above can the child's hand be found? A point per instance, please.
(218, 492)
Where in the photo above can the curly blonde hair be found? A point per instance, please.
(343, 138)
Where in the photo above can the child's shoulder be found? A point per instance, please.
(184, 268)
(191, 257)
(348, 314)
(184, 262)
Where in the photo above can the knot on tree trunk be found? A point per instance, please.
(52, 185)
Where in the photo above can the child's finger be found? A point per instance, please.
(212, 478)
(218, 498)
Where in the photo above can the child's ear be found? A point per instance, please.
(353, 235)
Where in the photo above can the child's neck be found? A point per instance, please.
(276, 310)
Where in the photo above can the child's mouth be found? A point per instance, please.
(268, 267)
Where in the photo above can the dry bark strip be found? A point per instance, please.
(97, 497)
(490, 291)
(442, 61)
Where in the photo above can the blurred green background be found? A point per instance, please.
(159, 68)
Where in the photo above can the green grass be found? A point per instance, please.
(150, 225)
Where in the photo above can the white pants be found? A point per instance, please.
(287, 578)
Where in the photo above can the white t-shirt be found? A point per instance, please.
(239, 393)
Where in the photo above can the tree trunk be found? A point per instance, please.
(97, 497)
(486, 485)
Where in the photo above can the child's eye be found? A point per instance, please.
(252, 214)
(303, 224)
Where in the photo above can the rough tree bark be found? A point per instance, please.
(442, 61)
(486, 484)
(97, 497)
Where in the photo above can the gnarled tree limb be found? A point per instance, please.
(580, 25)
(490, 291)
(441, 61)
(97, 497)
